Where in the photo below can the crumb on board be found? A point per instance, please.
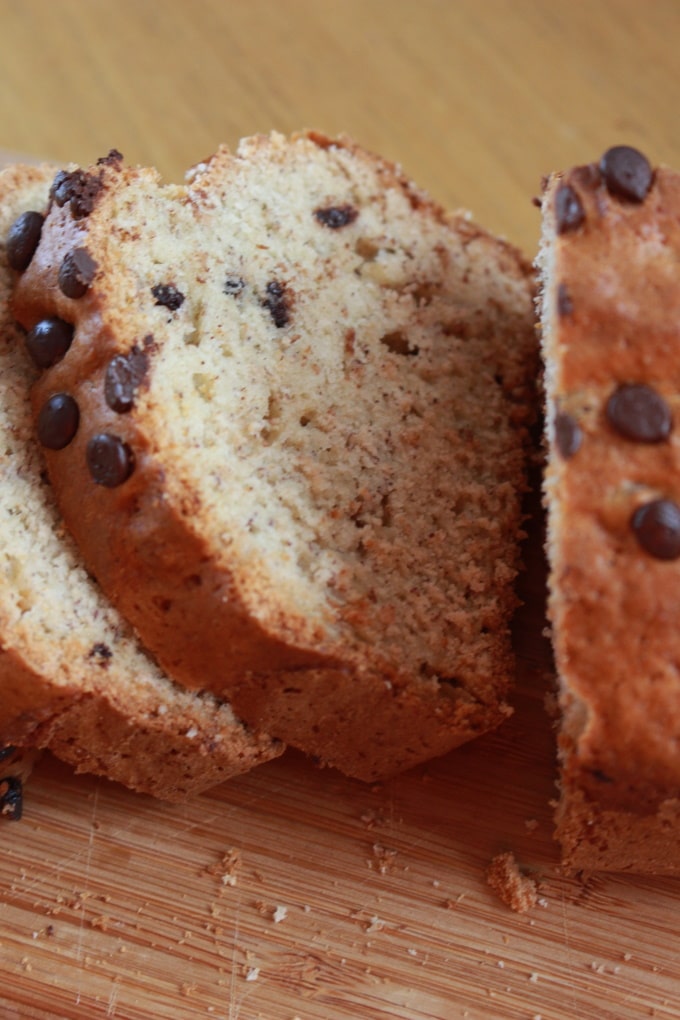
(227, 868)
(383, 858)
(517, 890)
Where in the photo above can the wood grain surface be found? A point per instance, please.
(292, 892)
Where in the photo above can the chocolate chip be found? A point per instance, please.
(233, 285)
(277, 302)
(656, 526)
(569, 211)
(11, 797)
(123, 375)
(109, 459)
(112, 158)
(76, 273)
(565, 306)
(84, 195)
(336, 216)
(48, 341)
(568, 435)
(638, 412)
(627, 173)
(102, 653)
(60, 191)
(168, 296)
(23, 239)
(58, 421)
(79, 189)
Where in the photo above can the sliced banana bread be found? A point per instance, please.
(610, 268)
(289, 436)
(73, 677)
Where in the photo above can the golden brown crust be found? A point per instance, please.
(326, 673)
(611, 317)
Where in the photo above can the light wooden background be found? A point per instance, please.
(292, 893)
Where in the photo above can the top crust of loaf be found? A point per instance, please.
(611, 318)
(73, 677)
(327, 431)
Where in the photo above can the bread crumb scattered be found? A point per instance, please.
(516, 890)
(383, 858)
(226, 869)
(102, 922)
(275, 912)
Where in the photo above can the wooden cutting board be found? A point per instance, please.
(292, 892)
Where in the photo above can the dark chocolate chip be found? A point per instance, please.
(565, 306)
(627, 173)
(569, 211)
(168, 296)
(23, 239)
(123, 375)
(102, 653)
(11, 797)
(60, 191)
(79, 189)
(109, 459)
(7, 751)
(336, 216)
(277, 302)
(638, 412)
(84, 195)
(48, 341)
(233, 285)
(76, 273)
(656, 526)
(112, 158)
(58, 421)
(568, 435)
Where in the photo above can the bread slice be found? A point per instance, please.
(291, 437)
(610, 270)
(72, 675)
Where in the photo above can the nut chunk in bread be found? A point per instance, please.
(73, 676)
(289, 435)
(610, 268)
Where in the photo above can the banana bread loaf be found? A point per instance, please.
(289, 436)
(610, 270)
(73, 677)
